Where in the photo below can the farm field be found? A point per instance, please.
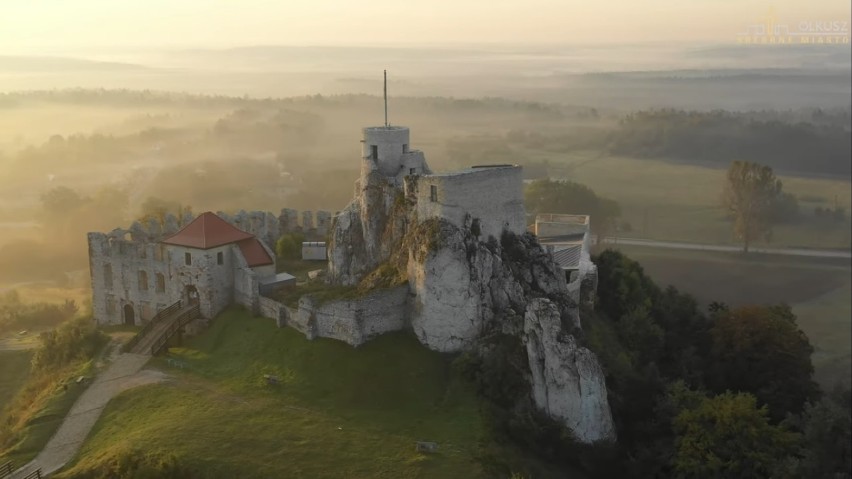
(678, 202)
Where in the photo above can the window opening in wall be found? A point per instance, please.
(187, 258)
(108, 275)
(143, 281)
(161, 283)
(412, 171)
(433, 193)
(374, 152)
(220, 258)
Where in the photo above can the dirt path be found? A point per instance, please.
(123, 373)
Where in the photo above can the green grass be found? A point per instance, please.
(14, 371)
(300, 268)
(819, 290)
(39, 409)
(826, 319)
(679, 202)
(338, 411)
(321, 293)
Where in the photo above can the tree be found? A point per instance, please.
(761, 350)
(826, 438)
(729, 436)
(158, 209)
(289, 247)
(61, 201)
(554, 196)
(750, 196)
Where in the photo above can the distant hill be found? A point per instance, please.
(41, 64)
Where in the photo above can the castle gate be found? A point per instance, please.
(129, 315)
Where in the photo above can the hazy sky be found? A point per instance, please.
(34, 25)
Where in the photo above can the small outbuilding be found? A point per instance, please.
(314, 251)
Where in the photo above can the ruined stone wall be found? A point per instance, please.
(310, 223)
(124, 273)
(354, 321)
(268, 227)
(269, 308)
(494, 196)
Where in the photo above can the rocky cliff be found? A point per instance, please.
(465, 288)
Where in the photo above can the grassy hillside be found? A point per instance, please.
(14, 370)
(37, 406)
(818, 290)
(337, 412)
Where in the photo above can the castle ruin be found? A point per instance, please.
(444, 255)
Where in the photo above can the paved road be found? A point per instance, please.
(814, 253)
(123, 373)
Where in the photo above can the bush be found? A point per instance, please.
(289, 247)
(74, 340)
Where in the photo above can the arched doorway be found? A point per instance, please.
(129, 315)
(191, 295)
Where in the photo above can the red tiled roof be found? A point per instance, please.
(254, 252)
(209, 231)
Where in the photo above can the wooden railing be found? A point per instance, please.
(6, 469)
(34, 475)
(182, 320)
(165, 313)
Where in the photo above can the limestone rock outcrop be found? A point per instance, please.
(464, 288)
(567, 381)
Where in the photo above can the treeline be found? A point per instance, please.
(16, 315)
(125, 98)
(717, 137)
(694, 393)
(718, 393)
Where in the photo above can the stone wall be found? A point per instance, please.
(125, 274)
(269, 308)
(246, 288)
(354, 321)
(491, 195)
(268, 228)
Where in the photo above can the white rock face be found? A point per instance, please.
(567, 381)
(446, 314)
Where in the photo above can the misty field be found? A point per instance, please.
(818, 290)
(677, 202)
